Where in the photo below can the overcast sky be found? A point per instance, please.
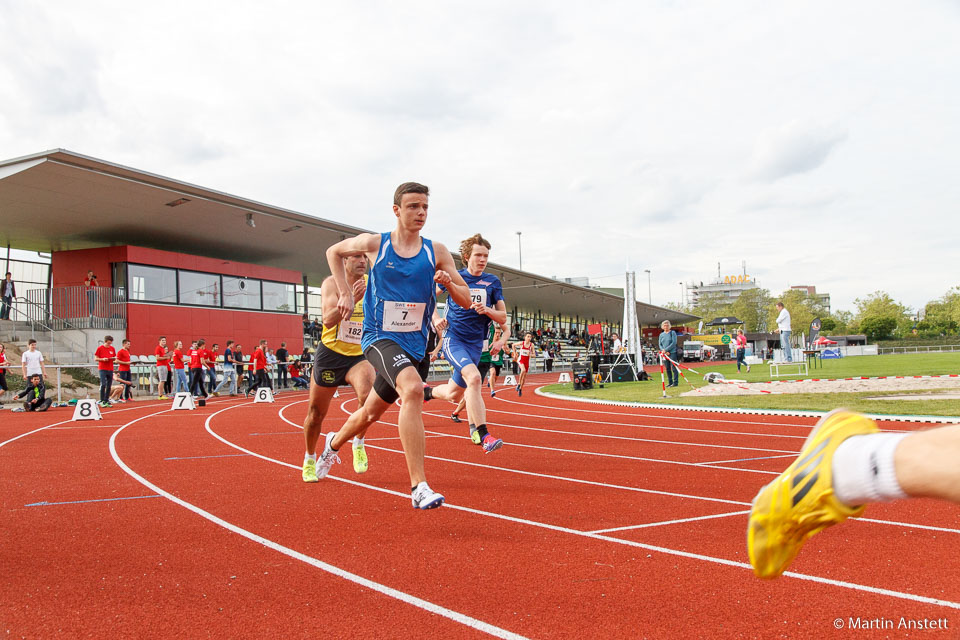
(815, 141)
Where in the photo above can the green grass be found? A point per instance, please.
(889, 365)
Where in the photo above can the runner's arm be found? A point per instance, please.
(363, 244)
(447, 276)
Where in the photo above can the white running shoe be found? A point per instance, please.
(426, 498)
(326, 459)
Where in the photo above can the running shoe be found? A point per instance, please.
(490, 443)
(215, 394)
(493, 394)
(475, 435)
(359, 458)
(427, 393)
(455, 418)
(327, 458)
(424, 497)
(310, 470)
(800, 502)
(163, 398)
(519, 390)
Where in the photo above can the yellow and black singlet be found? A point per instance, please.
(344, 338)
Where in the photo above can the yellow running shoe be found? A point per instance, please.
(310, 471)
(800, 503)
(359, 459)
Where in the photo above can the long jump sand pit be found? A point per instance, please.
(933, 388)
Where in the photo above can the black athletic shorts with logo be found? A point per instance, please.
(330, 368)
(388, 360)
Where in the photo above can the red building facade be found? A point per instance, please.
(186, 297)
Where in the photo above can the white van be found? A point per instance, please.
(692, 351)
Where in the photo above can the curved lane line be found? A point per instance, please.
(296, 555)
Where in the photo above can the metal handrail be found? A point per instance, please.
(74, 346)
(78, 307)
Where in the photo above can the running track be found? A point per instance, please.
(590, 522)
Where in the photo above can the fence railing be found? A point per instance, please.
(79, 307)
(25, 311)
(935, 348)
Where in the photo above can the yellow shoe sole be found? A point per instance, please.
(360, 464)
(800, 502)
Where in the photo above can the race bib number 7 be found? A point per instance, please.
(350, 331)
(403, 317)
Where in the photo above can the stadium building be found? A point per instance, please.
(166, 254)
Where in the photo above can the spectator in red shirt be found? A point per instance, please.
(123, 369)
(105, 355)
(210, 362)
(181, 380)
(299, 382)
(163, 366)
(197, 353)
(258, 362)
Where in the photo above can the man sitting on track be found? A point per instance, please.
(845, 463)
(398, 305)
(523, 352)
(467, 336)
(339, 360)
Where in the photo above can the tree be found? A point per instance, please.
(878, 311)
(712, 305)
(751, 307)
(878, 327)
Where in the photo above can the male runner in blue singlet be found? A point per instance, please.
(397, 307)
(464, 341)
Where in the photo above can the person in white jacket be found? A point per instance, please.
(783, 328)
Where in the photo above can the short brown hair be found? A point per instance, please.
(466, 247)
(409, 187)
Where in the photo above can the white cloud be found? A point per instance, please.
(622, 131)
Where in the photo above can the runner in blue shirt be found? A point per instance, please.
(464, 341)
(397, 306)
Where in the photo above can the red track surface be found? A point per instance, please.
(237, 545)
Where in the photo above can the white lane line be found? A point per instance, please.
(666, 522)
(597, 536)
(654, 415)
(701, 465)
(679, 443)
(786, 455)
(426, 605)
(627, 488)
(657, 427)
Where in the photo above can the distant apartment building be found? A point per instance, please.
(822, 298)
(730, 287)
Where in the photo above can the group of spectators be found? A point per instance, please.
(194, 370)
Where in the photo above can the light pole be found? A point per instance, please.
(520, 249)
(681, 294)
(649, 291)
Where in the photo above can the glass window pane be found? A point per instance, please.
(199, 288)
(241, 293)
(279, 297)
(152, 284)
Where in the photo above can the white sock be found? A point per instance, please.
(863, 469)
(309, 456)
(357, 443)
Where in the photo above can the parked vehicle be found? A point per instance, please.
(692, 351)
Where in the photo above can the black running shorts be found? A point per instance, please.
(330, 368)
(388, 360)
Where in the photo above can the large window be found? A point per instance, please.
(241, 293)
(278, 296)
(199, 288)
(152, 283)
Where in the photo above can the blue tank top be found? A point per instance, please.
(467, 324)
(400, 298)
